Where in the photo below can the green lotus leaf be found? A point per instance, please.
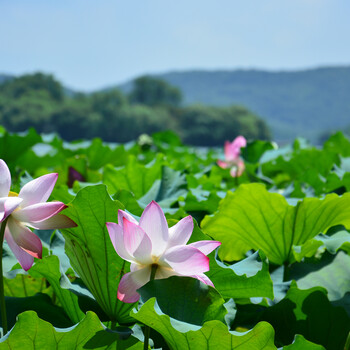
(329, 274)
(253, 218)
(49, 267)
(305, 312)
(32, 333)
(300, 343)
(91, 252)
(166, 190)
(23, 285)
(186, 299)
(245, 279)
(40, 303)
(14, 146)
(213, 335)
(134, 177)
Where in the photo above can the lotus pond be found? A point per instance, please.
(279, 280)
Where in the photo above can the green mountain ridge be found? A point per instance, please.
(303, 103)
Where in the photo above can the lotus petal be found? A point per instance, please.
(117, 237)
(239, 142)
(187, 260)
(25, 238)
(130, 282)
(222, 164)
(123, 214)
(180, 233)
(38, 190)
(153, 222)
(137, 243)
(25, 260)
(56, 221)
(38, 212)
(8, 205)
(203, 278)
(5, 179)
(205, 247)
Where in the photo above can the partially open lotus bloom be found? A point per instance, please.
(151, 243)
(233, 160)
(26, 209)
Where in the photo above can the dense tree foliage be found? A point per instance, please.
(153, 105)
(27, 84)
(154, 92)
(208, 126)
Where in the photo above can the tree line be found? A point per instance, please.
(40, 101)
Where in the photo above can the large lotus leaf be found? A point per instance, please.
(191, 160)
(23, 286)
(168, 137)
(134, 177)
(254, 150)
(127, 198)
(329, 273)
(40, 156)
(245, 279)
(298, 164)
(308, 166)
(336, 241)
(273, 154)
(167, 190)
(23, 292)
(186, 299)
(32, 333)
(86, 300)
(308, 249)
(339, 144)
(40, 303)
(213, 335)
(338, 181)
(253, 218)
(100, 154)
(49, 268)
(91, 252)
(300, 343)
(14, 146)
(306, 312)
(200, 201)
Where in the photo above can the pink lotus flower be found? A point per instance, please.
(232, 156)
(151, 242)
(29, 208)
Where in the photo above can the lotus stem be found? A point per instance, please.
(147, 328)
(2, 291)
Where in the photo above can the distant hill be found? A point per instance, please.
(298, 103)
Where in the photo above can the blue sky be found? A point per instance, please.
(93, 44)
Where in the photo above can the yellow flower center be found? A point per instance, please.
(155, 259)
(13, 194)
